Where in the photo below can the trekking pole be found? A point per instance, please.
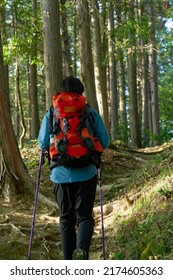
(35, 203)
(101, 211)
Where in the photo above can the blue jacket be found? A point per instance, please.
(63, 174)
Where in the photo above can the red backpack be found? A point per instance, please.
(72, 142)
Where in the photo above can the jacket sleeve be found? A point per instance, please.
(45, 131)
(100, 131)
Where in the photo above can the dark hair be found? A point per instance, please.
(71, 84)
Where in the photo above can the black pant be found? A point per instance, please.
(76, 202)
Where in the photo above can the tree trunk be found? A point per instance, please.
(113, 77)
(17, 92)
(100, 66)
(4, 38)
(12, 169)
(145, 99)
(75, 45)
(66, 54)
(52, 48)
(29, 107)
(153, 76)
(85, 51)
(132, 85)
(35, 123)
(122, 127)
(16, 105)
(133, 103)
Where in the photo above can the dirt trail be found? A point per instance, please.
(15, 217)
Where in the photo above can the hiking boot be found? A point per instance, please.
(79, 254)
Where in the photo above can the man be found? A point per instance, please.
(74, 187)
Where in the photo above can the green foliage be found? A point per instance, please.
(146, 134)
(142, 239)
(16, 48)
(117, 144)
(165, 135)
(165, 192)
(19, 37)
(117, 256)
(146, 231)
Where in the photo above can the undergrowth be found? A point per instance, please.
(146, 233)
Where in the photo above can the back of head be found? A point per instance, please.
(71, 84)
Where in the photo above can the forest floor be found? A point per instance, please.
(137, 208)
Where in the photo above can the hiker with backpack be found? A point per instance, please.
(75, 136)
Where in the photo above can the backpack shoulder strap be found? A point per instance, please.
(50, 128)
(89, 120)
(53, 124)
